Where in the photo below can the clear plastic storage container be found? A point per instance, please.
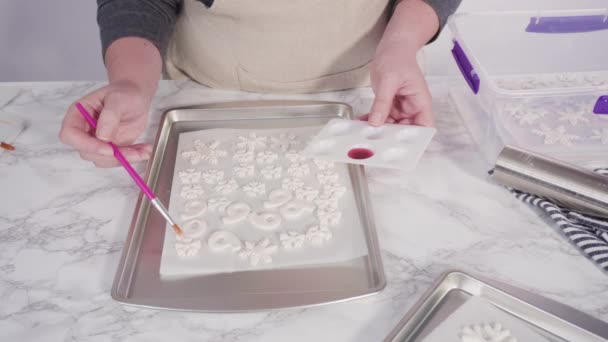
(537, 80)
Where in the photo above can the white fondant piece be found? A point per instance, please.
(327, 177)
(318, 235)
(270, 172)
(261, 251)
(194, 228)
(329, 217)
(190, 176)
(295, 209)
(267, 157)
(574, 117)
(236, 212)
(557, 135)
(292, 184)
(224, 241)
(327, 201)
(295, 157)
(254, 189)
(191, 191)
(486, 332)
(188, 249)
(209, 152)
(193, 209)
(292, 240)
(226, 187)
(334, 190)
(265, 221)
(243, 157)
(324, 164)
(307, 193)
(244, 170)
(298, 170)
(251, 141)
(213, 176)
(218, 204)
(277, 198)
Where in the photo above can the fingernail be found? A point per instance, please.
(106, 151)
(104, 133)
(374, 119)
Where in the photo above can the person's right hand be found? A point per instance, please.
(121, 109)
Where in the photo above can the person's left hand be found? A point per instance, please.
(402, 95)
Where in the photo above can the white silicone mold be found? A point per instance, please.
(356, 142)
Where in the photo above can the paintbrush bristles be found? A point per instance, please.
(178, 230)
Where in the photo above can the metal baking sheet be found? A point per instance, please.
(138, 281)
(555, 321)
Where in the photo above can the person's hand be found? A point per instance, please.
(121, 109)
(402, 95)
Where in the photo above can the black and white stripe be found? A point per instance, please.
(589, 234)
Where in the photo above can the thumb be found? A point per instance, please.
(383, 102)
(108, 122)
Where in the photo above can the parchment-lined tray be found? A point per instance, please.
(554, 321)
(138, 281)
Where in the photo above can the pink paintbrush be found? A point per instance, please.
(140, 182)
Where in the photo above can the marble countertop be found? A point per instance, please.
(63, 224)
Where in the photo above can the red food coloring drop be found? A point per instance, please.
(360, 153)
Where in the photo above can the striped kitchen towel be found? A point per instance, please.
(589, 234)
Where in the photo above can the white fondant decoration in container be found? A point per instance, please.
(318, 235)
(295, 157)
(486, 332)
(193, 209)
(292, 240)
(265, 221)
(224, 241)
(327, 201)
(251, 141)
(194, 228)
(267, 157)
(226, 187)
(218, 204)
(191, 191)
(190, 176)
(554, 136)
(254, 189)
(213, 176)
(336, 190)
(298, 170)
(183, 239)
(329, 217)
(327, 177)
(244, 170)
(209, 152)
(356, 142)
(188, 249)
(283, 142)
(243, 157)
(324, 164)
(277, 198)
(256, 252)
(307, 193)
(236, 212)
(602, 135)
(528, 117)
(574, 117)
(292, 184)
(295, 209)
(271, 172)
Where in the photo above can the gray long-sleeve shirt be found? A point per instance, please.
(154, 19)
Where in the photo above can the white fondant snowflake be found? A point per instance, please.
(334, 189)
(254, 189)
(218, 204)
(257, 252)
(528, 116)
(602, 135)
(213, 176)
(327, 177)
(226, 187)
(243, 156)
(555, 136)
(251, 141)
(267, 157)
(190, 176)
(188, 249)
(244, 170)
(292, 240)
(283, 142)
(191, 191)
(292, 184)
(327, 201)
(573, 117)
(271, 172)
(486, 333)
(298, 170)
(324, 164)
(307, 193)
(329, 217)
(295, 157)
(318, 235)
(209, 152)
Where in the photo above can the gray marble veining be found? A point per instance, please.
(63, 224)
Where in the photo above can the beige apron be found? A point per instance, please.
(277, 45)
